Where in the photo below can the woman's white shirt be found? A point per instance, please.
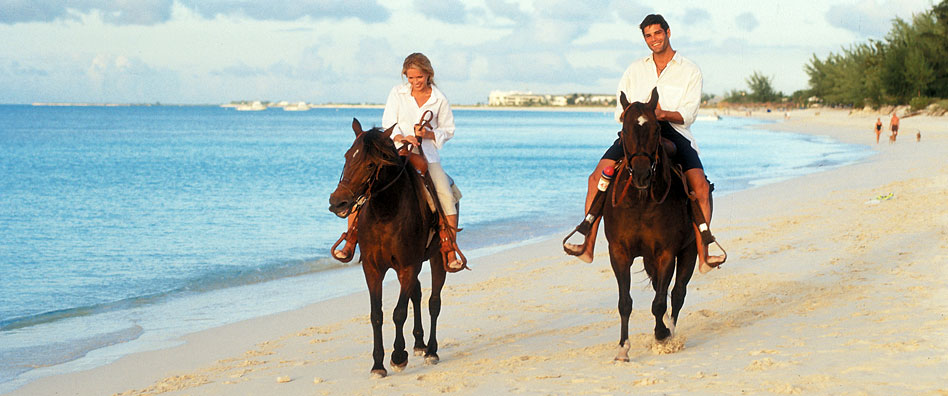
(403, 112)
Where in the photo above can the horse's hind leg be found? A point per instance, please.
(374, 280)
(419, 331)
(622, 269)
(660, 282)
(399, 316)
(434, 308)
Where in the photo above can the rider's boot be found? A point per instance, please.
(705, 240)
(451, 255)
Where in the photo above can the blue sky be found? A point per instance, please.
(215, 51)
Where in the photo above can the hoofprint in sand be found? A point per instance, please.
(828, 290)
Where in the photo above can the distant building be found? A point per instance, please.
(595, 100)
(516, 98)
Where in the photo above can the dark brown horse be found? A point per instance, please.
(395, 225)
(653, 222)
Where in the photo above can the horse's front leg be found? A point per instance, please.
(419, 331)
(407, 278)
(621, 267)
(685, 268)
(434, 307)
(664, 270)
(373, 278)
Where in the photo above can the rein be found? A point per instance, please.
(367, 195)
(653, 161)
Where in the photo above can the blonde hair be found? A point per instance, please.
(419, 61)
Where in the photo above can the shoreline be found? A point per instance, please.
(556, 331)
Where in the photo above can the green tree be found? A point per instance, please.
(911, 62)
(736, 96)
(918, 73)
(761, 89)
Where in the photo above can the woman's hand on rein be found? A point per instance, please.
(423, 132)
(410, 139)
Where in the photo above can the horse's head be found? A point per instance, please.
(641, 136)
(371, 150)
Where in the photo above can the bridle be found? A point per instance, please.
(653, 158)
(370, 181)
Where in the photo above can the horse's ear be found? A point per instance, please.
(623, 100)
(388, 132)
(653, 101)
(356, 127)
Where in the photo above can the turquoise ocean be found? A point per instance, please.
(123, 228)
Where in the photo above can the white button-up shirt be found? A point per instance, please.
(679, 89)
(402, 111)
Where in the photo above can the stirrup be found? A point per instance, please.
(347, 251)
(708, 240)
(584, 228)
(717, 260)
(449, 244)
(573, 249)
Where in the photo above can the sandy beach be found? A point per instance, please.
(833, 286)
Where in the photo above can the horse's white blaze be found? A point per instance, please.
(641, 120)
(354, 153)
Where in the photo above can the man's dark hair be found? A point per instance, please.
(653, 19)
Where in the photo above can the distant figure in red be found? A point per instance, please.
(878, 128)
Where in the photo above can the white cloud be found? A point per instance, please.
(695, 16)
(449, 11)
(142, 12)
(330, 51)
(128, 79)
(631, 11)
(865, 18)
(507, 10)
(150, 12)
(291, 10)
(746, 21)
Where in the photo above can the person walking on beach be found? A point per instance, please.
(679, 83)
(878, 128)
(404, 108)
(894, 126)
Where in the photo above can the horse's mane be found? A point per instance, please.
(376, 145)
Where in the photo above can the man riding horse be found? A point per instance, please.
(678, 81)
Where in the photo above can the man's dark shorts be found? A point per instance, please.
(685, 154)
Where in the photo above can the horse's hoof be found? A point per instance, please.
(669, 323)
(432, 360)
(378, 374)
(662, 334)
(399, 360)
(623, 354)
(419, 351)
